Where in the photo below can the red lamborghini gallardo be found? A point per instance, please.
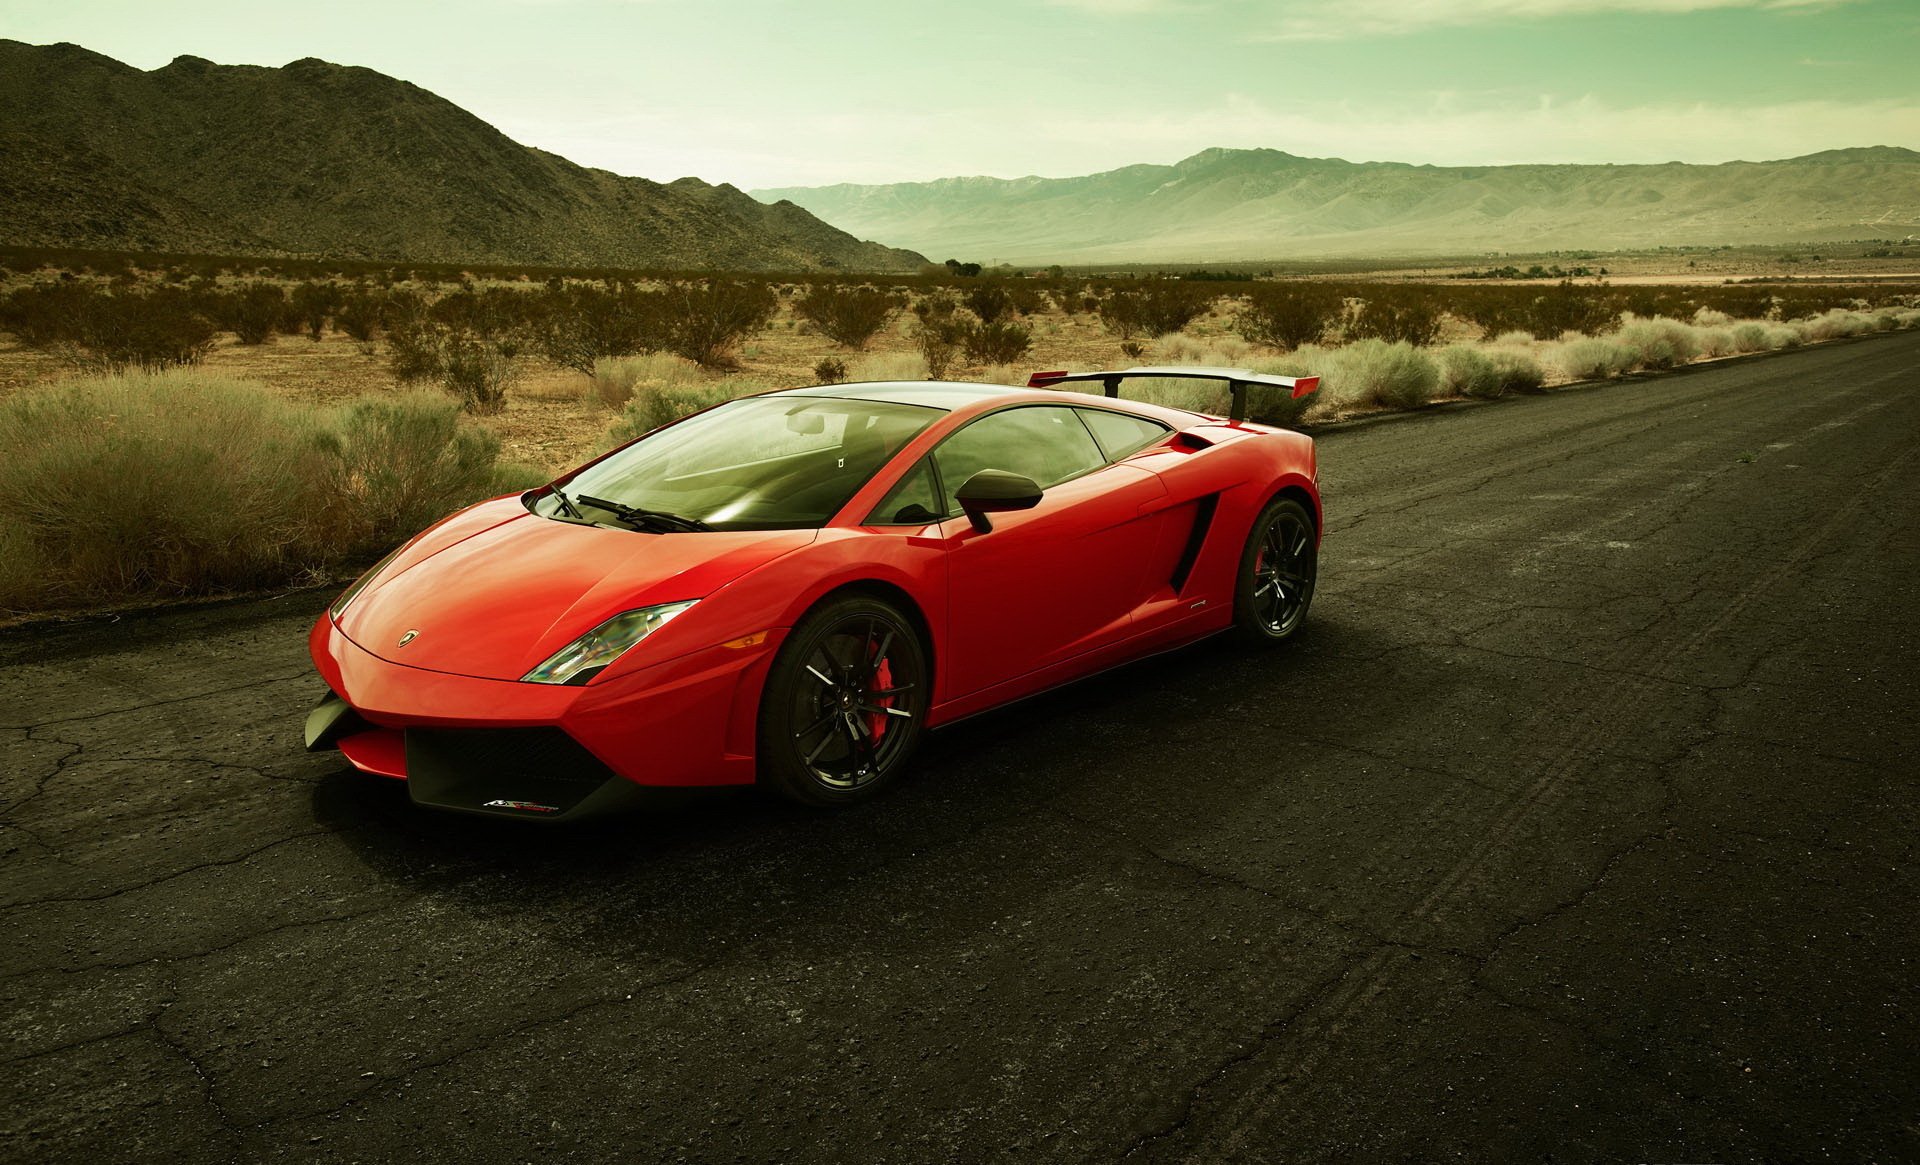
(792, 588)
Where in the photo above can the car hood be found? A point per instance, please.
(502, 600)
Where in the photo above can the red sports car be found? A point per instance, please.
(792, 588)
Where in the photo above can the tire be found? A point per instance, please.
(1274, 585)
(845, 703)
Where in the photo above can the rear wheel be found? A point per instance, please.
(845, 703)
(1277, 571)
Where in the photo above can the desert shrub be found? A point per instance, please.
(253, 313)
(1494, 309)
(1715, 342)
(311, 304)
(995, 343)
(1153, 308)
(1750, 337)
(1568, 307)
(109, 332)
(1375, 372)
(38, 314)
(473, 368)
(1658, 342)
(1832, 325)
(1706, 317)
(830, 371)
(938, 339)
(1783, 336)
(358, 317)
(938, 304)
(1468, 371)
(1514, 336)
(990, 301)
(707, 322)
(1593, 358)
(1214, 351)
(396, 464)
(849, 316)
(1517, 371)
(23, 576)
(184, 483)
(413, 349)
(889, 366)
(616, 379)
(1403, 315)
(1287, 315)
(577, 326)
(652, 407)
(1273, 406)
(169, 484)
(478, 371)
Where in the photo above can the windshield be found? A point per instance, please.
(762, 463)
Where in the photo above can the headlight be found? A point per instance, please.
(360, 584)
(581, 660)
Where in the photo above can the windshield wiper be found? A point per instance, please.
(566, 503)
(637, 517)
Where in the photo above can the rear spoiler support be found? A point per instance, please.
(1238, 380)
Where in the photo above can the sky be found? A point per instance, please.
(775, 93)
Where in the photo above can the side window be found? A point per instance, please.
(911, 502)
(1043, 442)
(1120, 434)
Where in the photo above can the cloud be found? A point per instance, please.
(1367, 18)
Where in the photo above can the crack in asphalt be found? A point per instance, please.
(305, 675)
(238, 859)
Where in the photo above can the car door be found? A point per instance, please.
(1045, 584)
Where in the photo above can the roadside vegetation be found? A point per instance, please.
(156, 485)
(160, 437)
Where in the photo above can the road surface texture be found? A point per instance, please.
(1578, 826)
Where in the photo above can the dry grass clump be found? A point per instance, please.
(1833, 324)
(1751, 336)
(1380, 374)
(888, 366)
(1593, 358)
(1211, 351)
(1715, 342)
(655, 405)
(1518, 371)
(1659, 342)
(617, 378)
(184, 483)
(1466, 370)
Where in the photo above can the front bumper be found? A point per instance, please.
(542, 751)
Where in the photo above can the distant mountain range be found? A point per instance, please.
(1265, 204)
(323, 159)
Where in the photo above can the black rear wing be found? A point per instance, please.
(1237, 381)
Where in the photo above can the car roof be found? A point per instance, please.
(966, 398)
(939, 394)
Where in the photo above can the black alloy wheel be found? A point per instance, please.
(1277, 572)
(845, 703)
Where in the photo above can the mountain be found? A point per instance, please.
(1265, 204)
(323, 159)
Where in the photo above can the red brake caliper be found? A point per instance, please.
(877, 721)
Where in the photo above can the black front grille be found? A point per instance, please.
(465, 768)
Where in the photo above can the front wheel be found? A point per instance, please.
(845, 703)
(1277, 569)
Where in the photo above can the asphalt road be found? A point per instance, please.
(1579, 826)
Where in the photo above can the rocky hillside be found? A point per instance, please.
(323, 159)
(1262, 204)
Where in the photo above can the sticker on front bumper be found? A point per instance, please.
(529, 806)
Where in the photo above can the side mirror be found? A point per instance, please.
(996, 491)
